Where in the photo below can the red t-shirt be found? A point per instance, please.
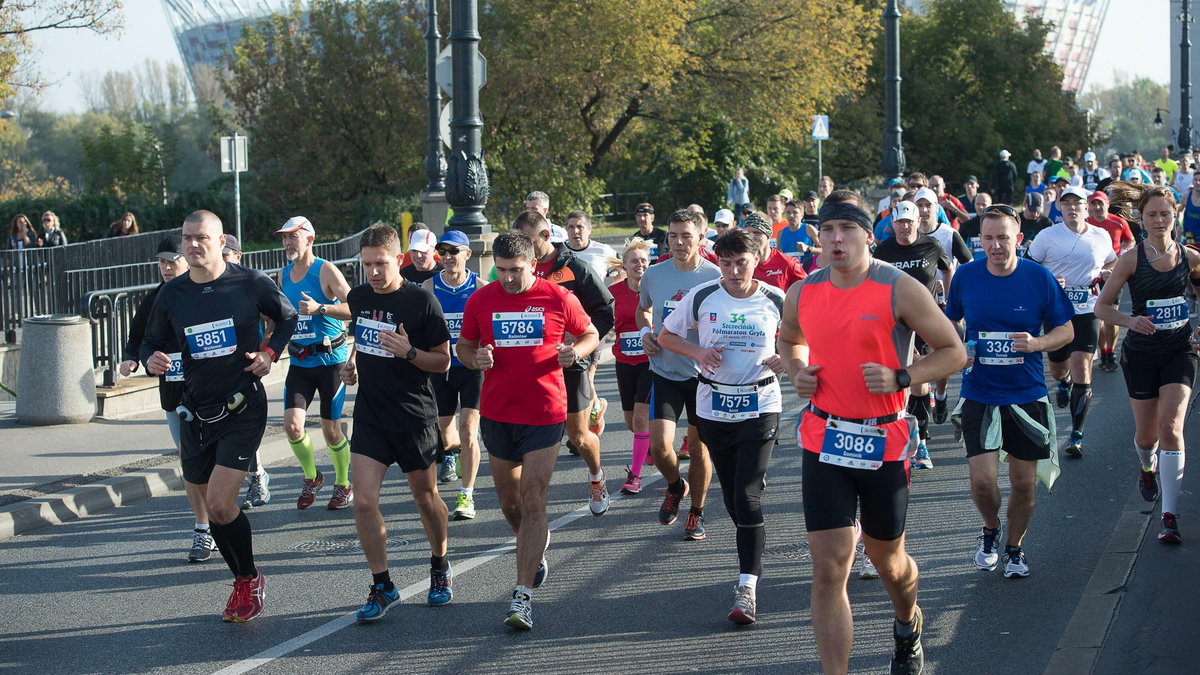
(541, 269)
(779, 270)
(1117, 228)
(625, 305)
(525, 386)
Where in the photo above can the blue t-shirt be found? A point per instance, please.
(995, 306)
(883, 229)
(788, 240)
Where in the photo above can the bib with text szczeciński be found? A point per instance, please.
(454, 324)
(631, 343)
(1169, 313)
(517, 329)
(734, 403)
(175, 372)
(857, 446)
(1081, 298)
(304, 328)
(366, 337)
(996, 349)
(211, 340)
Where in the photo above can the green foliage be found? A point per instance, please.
(128, 159)
(1124, 115)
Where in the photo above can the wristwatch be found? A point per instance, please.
(321, 309)
(412, 354)
(903, 379)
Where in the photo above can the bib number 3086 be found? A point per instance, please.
(857, 446)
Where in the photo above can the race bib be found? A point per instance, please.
(857, 446)
(1169, 313)
(977, 248)
(734, 403)
(175, 372)
(304, 328)
(668, 307)
(366, 337)
(631, 344)
(211, 340)
(1081, 299)
(517, 329)
(454, 324)
(996, 349)
(773, 242)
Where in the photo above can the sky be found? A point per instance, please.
(65, 56)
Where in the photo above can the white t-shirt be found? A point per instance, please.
(1075, 257)
(1035, 165)
(1183, 181)
(596, 255)
(746, 328)
(1092, 178)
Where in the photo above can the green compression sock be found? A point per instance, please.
(303, 449)
(340, 454)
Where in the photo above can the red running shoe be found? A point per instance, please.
(246, 600)
(308, 493)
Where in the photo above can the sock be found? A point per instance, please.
(1146, 456)
(303, 449)
(1065, 382)
(527, 591)
(596, 476)
(641, 446)
(939, 397)
(698, 511)
(1170, 472)
(340, 454)
(468, 491)
(383, 578)
(750, 580)
(677, 486)
(439, 562)
(202, 527)
(905, 628)
(236, 544)
(1081, 400)
(750, 542)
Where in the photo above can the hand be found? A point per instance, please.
(1061, 281)
(566, 355)
(260, 363)
(158, 363)
(1143, 325)
(308, 305)
(40, 242)
(939, 286)
(1024, 342)
(774, 363)
(879, 378)
(395, 341)
(650, 344)
(710, 359)
(349, 373)
(805, 381)
(484, 359)
(127, 367)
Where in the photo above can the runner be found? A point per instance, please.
(845, 340)
(643, 214)
(1158, 358)
(212, 313)
(1079, 255)
(1004, 405)
(630, 361)
(737, 398)
(1122, 240)
(400, 337)
(673, 391)
(599, 256)
(459, 388)
(515, 332)
(424, 263)
(775, 268)
(318, 349)
(799, 239)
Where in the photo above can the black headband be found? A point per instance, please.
(844, 211)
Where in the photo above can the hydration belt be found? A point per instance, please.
(870, 421)
(761, 383)
(326, 346)
(234, 404)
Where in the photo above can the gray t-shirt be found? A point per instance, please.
(663, 286)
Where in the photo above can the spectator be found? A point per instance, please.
(20, 234)
(52, 234)
(738, 192)
(970, 192)
(1004, 178)
(1038, 163)
(124, 227)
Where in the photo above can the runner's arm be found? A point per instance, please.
(1106, 304)
(335, 286)
(917, 310)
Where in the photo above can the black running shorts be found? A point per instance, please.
(633, 383)
(230, 442)
(510, 442)
(579, 390)
(1146, 372)
(458, 387)
(1087, 336)
(410, 450)
(833, 494)
(669, 399)
(302, 384)
(1017, 441)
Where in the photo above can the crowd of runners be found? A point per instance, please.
(854, 315)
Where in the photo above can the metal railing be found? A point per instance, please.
(617, 205)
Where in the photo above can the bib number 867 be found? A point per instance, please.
(851, 443)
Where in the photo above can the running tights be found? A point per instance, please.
(741, 468)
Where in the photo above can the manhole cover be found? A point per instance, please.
(340, 546)
(796, 551)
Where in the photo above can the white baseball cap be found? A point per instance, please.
(724, 216)
(926, 194)
(297, 223)
(1077, 191)
(904, 211)
(422, 240)
(1089, 156)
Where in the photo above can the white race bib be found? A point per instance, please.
(366, 337)
(175, 372)
(996, 349)
(454, 324)
(518, 329)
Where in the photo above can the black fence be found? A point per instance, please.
(617, 205)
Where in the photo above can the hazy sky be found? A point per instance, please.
(1131, 42)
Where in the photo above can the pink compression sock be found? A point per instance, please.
(641, 446)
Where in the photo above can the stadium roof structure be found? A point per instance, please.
(205, 30)
(1073, 37)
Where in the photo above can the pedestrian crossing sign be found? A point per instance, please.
(820, 128)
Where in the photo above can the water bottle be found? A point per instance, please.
(970, 355)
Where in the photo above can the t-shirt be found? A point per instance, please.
(411, 273)
(1075, 257)
(1053, 166)
(1117, 228)
(596, 255)
(746, 329)
(657, 239)
(779, 270)
(1168, 165)
(920, 260)
(394, 394)
(994, 307)
(525, 386)
(628, 345)
(1183, 181)
(663, 287)
(789, 238)
(952, 243)
(1035, 165)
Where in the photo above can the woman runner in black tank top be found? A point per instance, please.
(1158, 357)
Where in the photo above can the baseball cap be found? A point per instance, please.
(455, 238)
(1099, 195)
(1035, 201)
(1004, 154)
(724, 216)
(232, 244)
(756, 222)
(786, 193)
(971, 179)
(644, 208)
(421, 240)
(297, 223)
(904, 211)
(1061, 177)
(168, 249)
(811, 194)
(926, 194)
(894, 182)
(1089, 156)
(1077, 191)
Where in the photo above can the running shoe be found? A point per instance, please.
(441, 587)
(684, 453)
(202, 546)
(633, 484)
(987, 554)
(246, 600)
(956, 420)
(1063, 396)
(343, 496)
(520, 611)
(446, 471)
(598, 497)
(762, 483)
(693, 528)
(1169, 534)
(743, 606)
(308, 492)
(543, 571)
(940, 410)
(1074, 447)
(596, 416)
(259, 492)
(1015, 563)
(909, 658)
(1148, 484)
(464, 507)
(867, 571)
(921, 460)
(378, 601)
(669, 511)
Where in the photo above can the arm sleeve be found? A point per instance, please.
(962, 252)
(273, 304)
(137, 327)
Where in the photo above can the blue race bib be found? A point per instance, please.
(211, 340)
(1169, 313)
(631, 344)
(734, 403)
(517, 329)
(366, 337)
(454, 324)
(304, 328)
(856, 446)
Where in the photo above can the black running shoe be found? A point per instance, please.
(940, 410)
(909, 658)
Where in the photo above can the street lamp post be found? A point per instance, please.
(893, 149)
(1185, 79)
(466, 175)
(435, 163)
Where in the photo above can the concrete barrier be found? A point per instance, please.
(55, 382)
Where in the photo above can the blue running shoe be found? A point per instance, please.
(921, 460)
(1074, 449)
(377, 603)
(440, 591)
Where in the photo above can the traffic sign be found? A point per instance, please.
(444, 71)
(820, 128)
(233, 149)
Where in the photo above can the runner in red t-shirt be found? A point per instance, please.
(631, 362)
(1122, 238)
(777, 269)
(514, 330)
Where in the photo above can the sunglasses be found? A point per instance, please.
(1001, 208)
(449, 250)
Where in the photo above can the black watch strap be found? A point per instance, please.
(412, 354)
(903, 379)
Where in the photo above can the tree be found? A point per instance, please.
(1123, 115)
(20, 18)
(129, 159)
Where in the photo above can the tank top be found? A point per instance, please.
(1162, 297)
(1191, 218)
(846, 327)
(314, 328)
(453, 299)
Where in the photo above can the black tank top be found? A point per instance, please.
(1148, 283)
